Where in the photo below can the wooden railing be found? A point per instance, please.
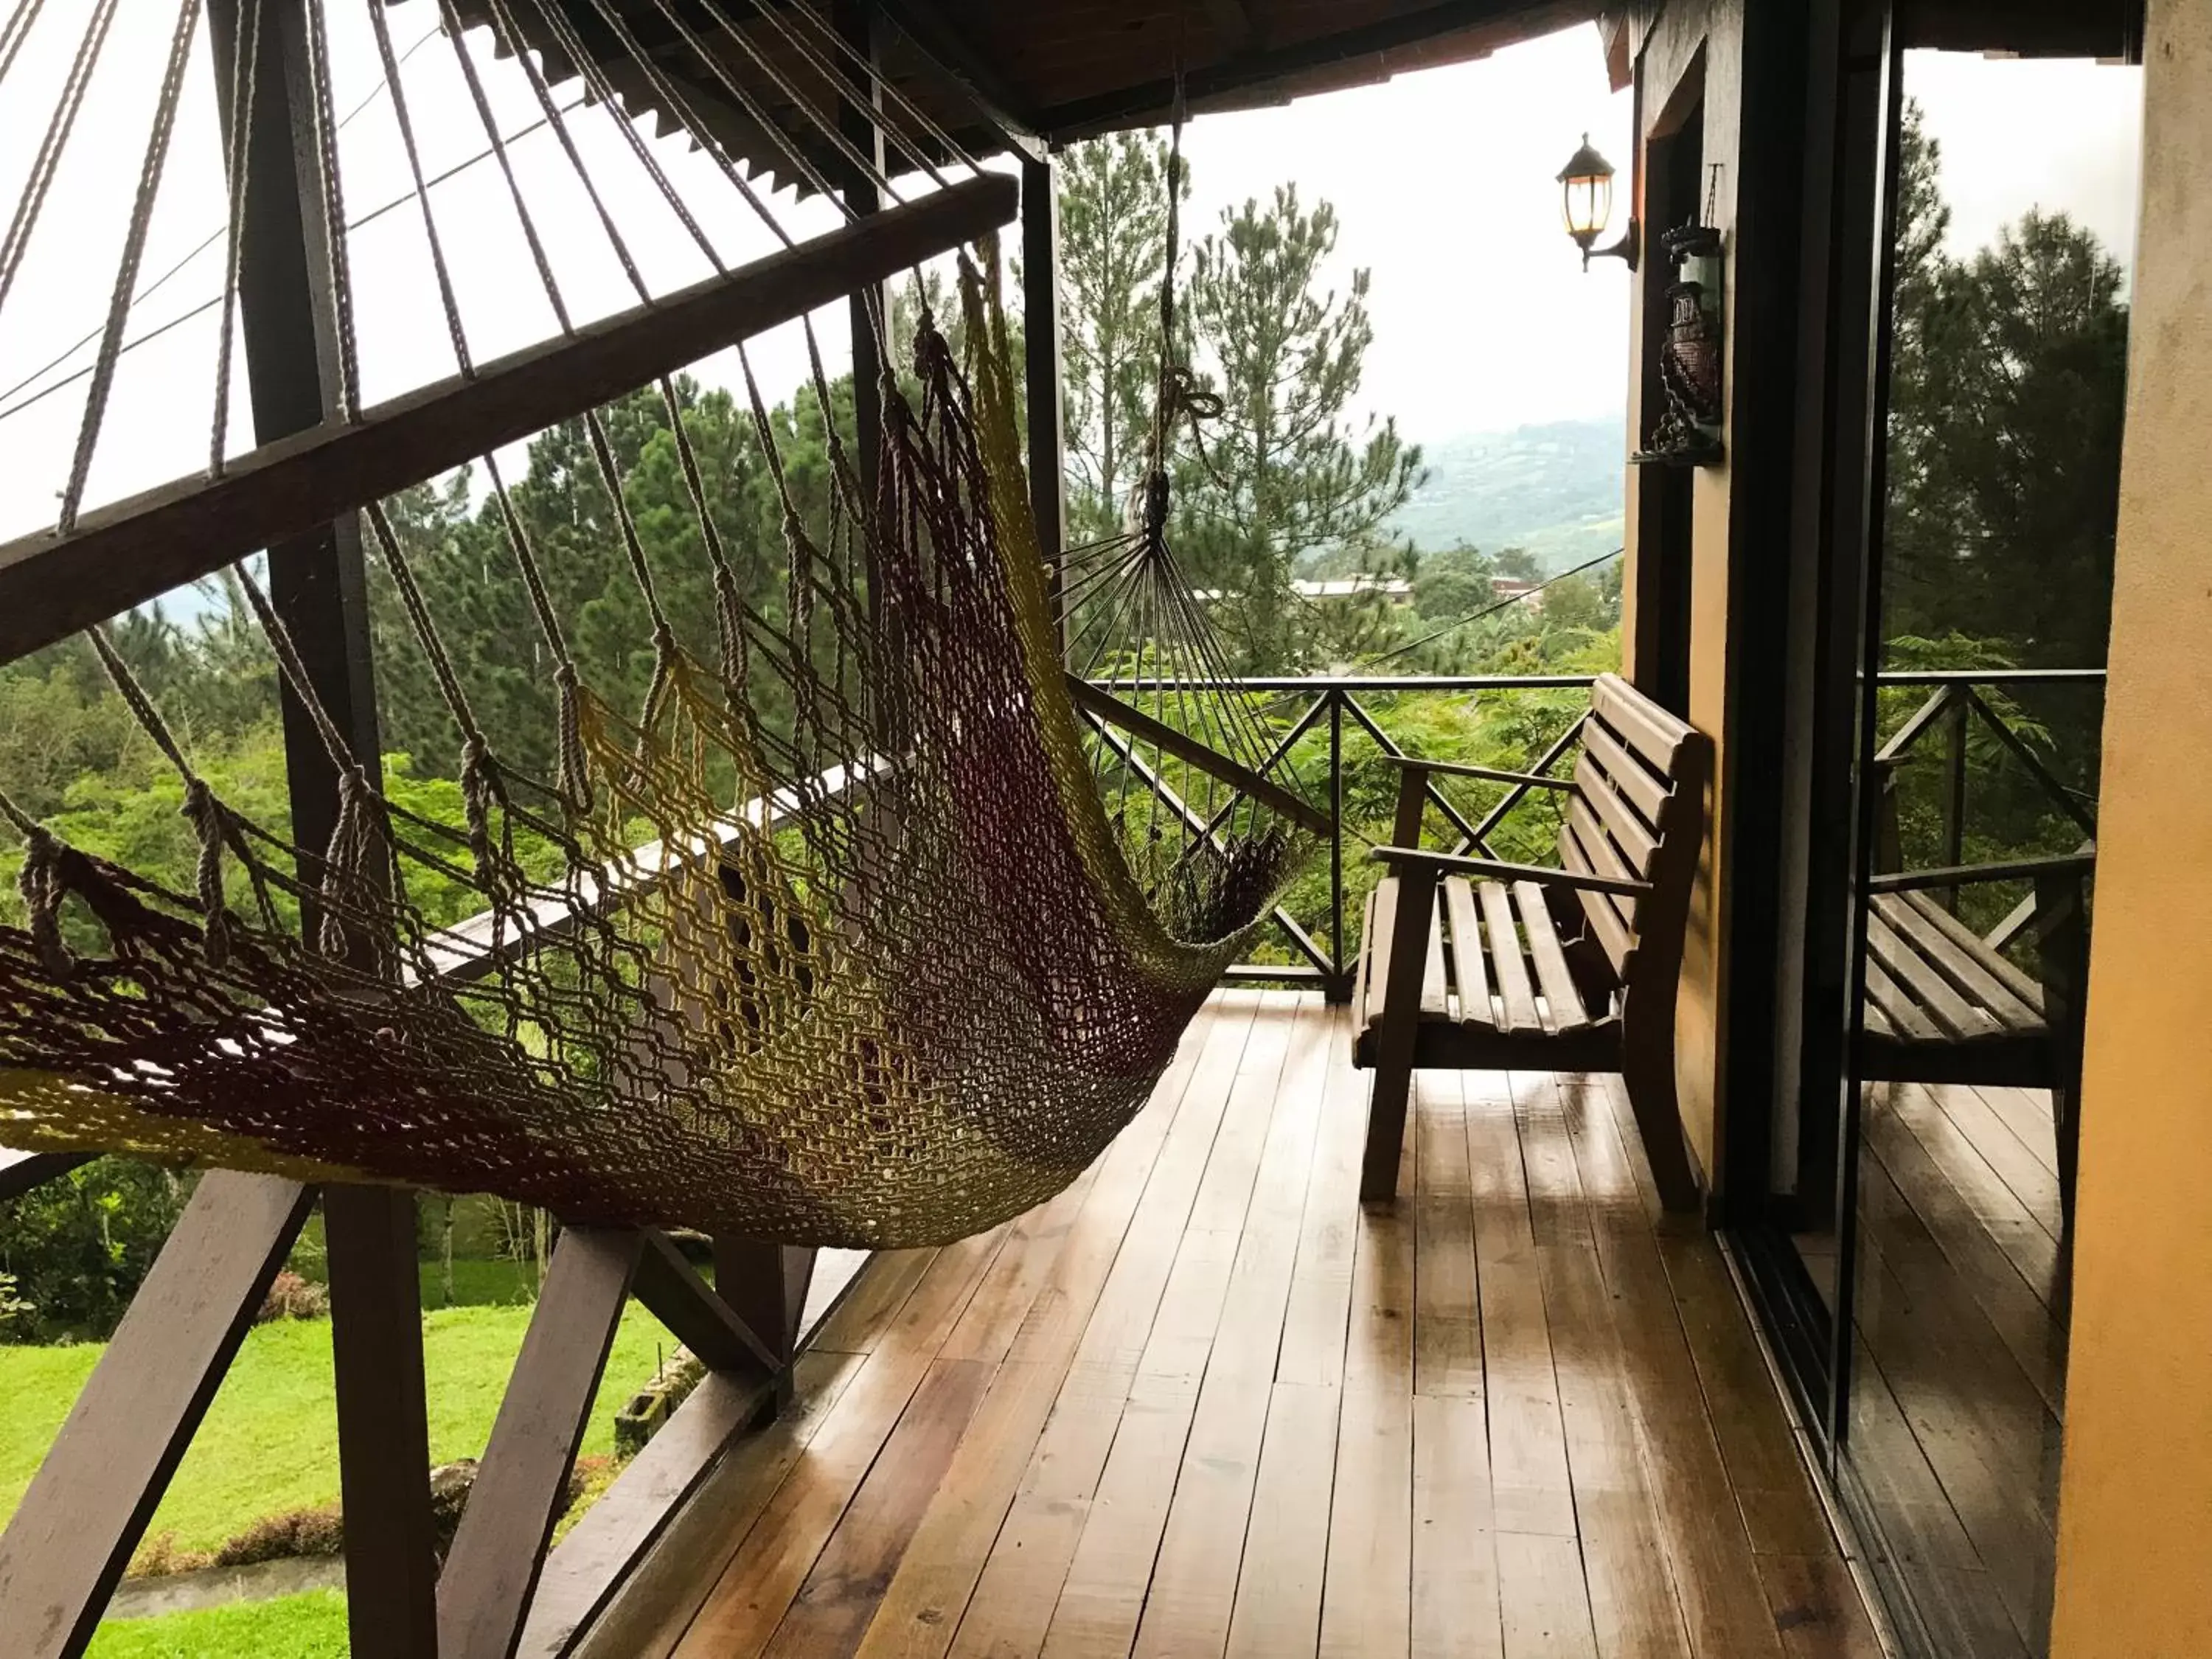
(1959, 703)
(1345, 705)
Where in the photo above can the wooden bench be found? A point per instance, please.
(1942, 1005)
(1469, 964)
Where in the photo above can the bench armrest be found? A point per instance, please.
(1908, 881)
(1543, 875)
(1465, 769)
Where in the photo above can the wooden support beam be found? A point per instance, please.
(698, 1318)
(21, 1171)
(1232, 23)
(937, 38)
(1041, 346)
(1105, 706)
(319, 585)
(592, 1562)
(1250, 71)
(484, 1594)
(383, 1426)
(766, 1285)
(53, 586)
(89, 1504)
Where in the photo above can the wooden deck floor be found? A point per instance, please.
(1202, 1404)
(1960, 1378)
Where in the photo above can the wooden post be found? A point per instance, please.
(1412, 923)
(483, 1596)
(1954, 797)
(1340, 984)
(1042, 363)
(765, 1285)
(88, 1506)
(860, 120)
(318, 583)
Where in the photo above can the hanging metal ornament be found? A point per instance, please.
(1687, 431)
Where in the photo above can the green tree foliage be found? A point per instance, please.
(1288, 470)
(1113, 247)
(2007, 394)
(2006, 403)
(76, 1247)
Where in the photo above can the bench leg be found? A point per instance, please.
(1648, 1070)
(1386, 1133)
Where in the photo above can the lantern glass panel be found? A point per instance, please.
(1589, 204)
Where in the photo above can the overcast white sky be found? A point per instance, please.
(1442, 182)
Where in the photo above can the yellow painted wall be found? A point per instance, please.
(2134, 1546)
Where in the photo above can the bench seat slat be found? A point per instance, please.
(1959, 1019)
(1435, 1005)
(1905, 1017)
(1467, 970)
(1516, 996)
(2023, 989)
(1562, 1001)
(1969, 970)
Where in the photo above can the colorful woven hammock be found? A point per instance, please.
(885, 976)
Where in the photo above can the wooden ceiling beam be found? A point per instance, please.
(958, 59)
(54, 585)
(1233, 23)
(1250, 71)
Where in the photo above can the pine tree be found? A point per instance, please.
(1113, 246)
(1285, 469)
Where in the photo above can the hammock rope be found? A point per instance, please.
(829, 937)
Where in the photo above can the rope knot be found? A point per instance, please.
(205, 814)
(346, 857)
(572, 780)
(479, 789)
(40, 883)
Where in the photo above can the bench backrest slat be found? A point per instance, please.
(1638, 810)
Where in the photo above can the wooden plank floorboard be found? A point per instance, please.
(1020, 1585)
(922, 1605)
(1321, 1284)
(1109, 1579)
(748, 1603)
(2017, 1316)
(1701, 1518)
(1634, 1607)
(1817, 1608)
(2029, 1177)
(1277, 1614)
(1193, 1592)
(2030, 1240)
(1203, 1403)
(1366, 1597)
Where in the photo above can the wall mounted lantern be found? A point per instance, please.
(1586, 188)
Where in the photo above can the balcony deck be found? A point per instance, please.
(1203, 1404)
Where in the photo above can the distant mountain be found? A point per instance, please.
(1555, 490)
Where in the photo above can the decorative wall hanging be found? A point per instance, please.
(1687, 433)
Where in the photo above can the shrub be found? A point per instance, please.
(317, 1531)
(159, 1557)
(290, 1297)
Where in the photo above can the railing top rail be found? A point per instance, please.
(1314, 684)
(1935, 676)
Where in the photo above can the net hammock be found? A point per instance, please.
(834, 941)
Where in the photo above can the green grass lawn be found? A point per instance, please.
(269, 1442)
(310, 1627)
